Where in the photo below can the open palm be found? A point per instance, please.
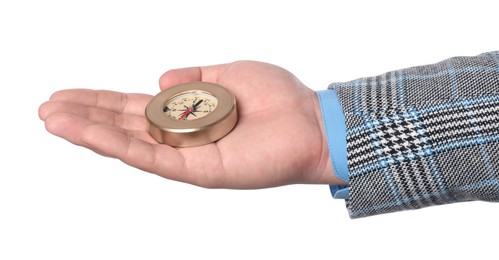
(278, 140)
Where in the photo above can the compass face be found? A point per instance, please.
(190, 105)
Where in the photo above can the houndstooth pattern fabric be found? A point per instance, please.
(423, 136)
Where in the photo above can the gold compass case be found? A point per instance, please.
(191, 114)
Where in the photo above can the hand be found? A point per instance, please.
(279, 138)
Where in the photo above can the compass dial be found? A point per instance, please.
(190, 105)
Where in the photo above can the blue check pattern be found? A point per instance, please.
(423, 136)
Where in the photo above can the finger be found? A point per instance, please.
(67, 126)
(72, 127)
(192, 74)
(128, 146)
(94, 114)
(114, 101)
(163, 160)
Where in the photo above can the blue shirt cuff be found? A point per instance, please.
(334, 124)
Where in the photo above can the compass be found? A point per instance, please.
(191, 114)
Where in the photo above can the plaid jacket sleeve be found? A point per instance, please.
(422, 136)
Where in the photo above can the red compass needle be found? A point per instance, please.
(187, 111)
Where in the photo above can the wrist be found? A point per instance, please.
(325, 167)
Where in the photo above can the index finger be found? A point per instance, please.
(114, 101)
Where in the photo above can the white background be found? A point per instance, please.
(59, 201)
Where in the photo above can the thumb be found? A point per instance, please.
(191, 74)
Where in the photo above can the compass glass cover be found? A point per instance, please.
(190, 105)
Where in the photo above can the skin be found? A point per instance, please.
(279, 138)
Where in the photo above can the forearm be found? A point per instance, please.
(421, 136)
